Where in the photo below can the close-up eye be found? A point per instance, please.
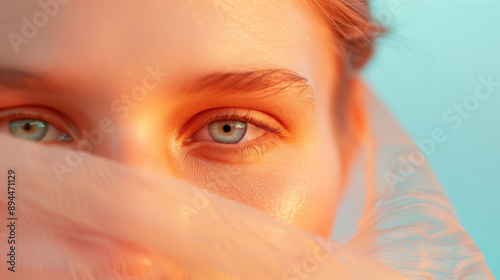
(233, 134)
(232, 126)
(36, 130)
(228, 132)
(35, 125)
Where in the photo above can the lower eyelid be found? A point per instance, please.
(240, 152)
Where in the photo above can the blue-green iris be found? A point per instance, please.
(31, 129)
(227, 131)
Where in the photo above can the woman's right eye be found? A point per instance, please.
(35, 124)
(36, 130)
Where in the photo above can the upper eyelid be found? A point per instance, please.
(248, 117)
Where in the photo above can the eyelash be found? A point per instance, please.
(248, 117)
(257, 147)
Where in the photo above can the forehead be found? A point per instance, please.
(116, 36)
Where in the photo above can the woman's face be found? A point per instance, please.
(235, 96)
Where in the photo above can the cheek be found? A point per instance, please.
(298, 186)
(321, 192)
(320, 187)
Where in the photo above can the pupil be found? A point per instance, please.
(27, 127)
(226, 128)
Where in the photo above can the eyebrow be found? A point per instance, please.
(25, 81)
(261, 83)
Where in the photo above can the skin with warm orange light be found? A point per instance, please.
(268, 65)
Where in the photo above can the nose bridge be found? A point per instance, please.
(128, 127)
(136, 144)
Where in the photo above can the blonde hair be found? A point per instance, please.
(352, 21)
(355, 32)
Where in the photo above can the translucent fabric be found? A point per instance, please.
(103, 220)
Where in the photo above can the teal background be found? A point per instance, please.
(432, 56)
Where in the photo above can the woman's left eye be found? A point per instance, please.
(36, 130)
(228, 132)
